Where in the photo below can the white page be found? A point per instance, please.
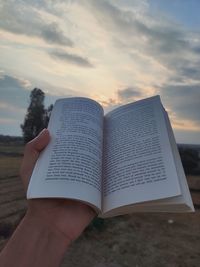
(70, 166)
(185, 197)
(138, 161)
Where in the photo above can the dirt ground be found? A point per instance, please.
(140, 240)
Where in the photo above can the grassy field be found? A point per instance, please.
(9, 166)
(11, 148)
(10, 159)
(140, 240)
(12, 196)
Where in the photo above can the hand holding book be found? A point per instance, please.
(49, 225)
(122, 162)
(65, 216)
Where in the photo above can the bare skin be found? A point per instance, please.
(49, 226)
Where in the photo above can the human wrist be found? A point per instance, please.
(43, 224)
(34, 243)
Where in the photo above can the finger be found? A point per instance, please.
(40, 141)
(31, 154)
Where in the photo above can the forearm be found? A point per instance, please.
(34, 243)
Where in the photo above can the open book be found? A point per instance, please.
(122, 162)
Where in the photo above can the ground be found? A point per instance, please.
(135, 240)
(140, 240)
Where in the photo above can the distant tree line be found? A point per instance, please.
(191, 160)
(37, 116)
(10, 139)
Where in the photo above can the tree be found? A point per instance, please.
(47, 115)
(35, 119)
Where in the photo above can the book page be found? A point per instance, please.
(70, 166)
(138, 162)
(185, 197)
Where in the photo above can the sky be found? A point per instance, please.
(112, 51)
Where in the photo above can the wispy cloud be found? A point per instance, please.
(115, 51)
(11, 108)
(7, 121)
(183, 100)
(14, 90)
(129, 94)
(71, 58)
(158, 47)
(20, 17)
(161, 41)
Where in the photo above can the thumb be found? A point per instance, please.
(31, 154)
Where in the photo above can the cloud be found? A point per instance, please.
(14, 90)
(52, 34)
(136, 51)
(190, 71)
(160, 48)
(128, 94)
(71, 58)
(155, 38)
(122, 96)
(14, 101)
(7, 121)
(57, 8)
(11, 108)
(183, 100)
(20, 17)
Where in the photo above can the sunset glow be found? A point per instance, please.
(115, 52)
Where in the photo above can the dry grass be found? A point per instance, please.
(11, 148)
(142, 240)
(9, 166)
(12, 196)
(10, 159)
